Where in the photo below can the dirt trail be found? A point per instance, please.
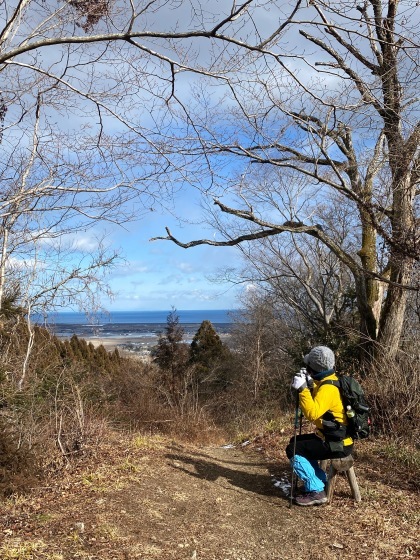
(166, 501)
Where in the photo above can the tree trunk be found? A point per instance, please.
(393, 311)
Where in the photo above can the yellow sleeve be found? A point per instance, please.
(314, 407)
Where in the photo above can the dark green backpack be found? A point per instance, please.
(357, 409)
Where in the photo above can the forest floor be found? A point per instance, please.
(152, 498)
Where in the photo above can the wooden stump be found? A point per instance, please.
(341, 465)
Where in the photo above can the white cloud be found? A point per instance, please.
(22, 264)
(133, 268)
(85, 243)
(76, 241)
(185, 267)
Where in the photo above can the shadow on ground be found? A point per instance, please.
(246, 475)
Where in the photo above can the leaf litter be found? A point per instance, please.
(173, 501)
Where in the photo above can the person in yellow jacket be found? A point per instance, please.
(321, 404)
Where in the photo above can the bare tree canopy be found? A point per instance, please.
(149, 97)
(86, 109)
(326, 106)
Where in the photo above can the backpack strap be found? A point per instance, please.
(332, 429)
(331, 382)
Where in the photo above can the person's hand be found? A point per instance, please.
(299, 381)
(309, 381)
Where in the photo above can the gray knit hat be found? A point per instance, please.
(320, 358)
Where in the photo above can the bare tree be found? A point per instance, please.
(88, 114)
(311, 286)
(330, 100)
(85, 95)
(324, 91)
(261, 342)
(108, 74)
(312, 290)
(92, 100)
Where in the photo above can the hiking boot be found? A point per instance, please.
(312, 499)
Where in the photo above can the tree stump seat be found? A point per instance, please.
(338, 466)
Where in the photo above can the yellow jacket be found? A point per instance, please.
(323, 397)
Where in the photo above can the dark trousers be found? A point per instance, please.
(314, 448)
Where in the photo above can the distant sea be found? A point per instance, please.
(123, 324)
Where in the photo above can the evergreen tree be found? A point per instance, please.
(211, 358)
(170, 353)
(206, 346)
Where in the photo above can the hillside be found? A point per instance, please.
(154, 498)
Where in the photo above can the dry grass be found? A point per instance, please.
(150, 496)
(124, 476)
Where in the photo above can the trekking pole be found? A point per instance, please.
(300, 423)
(294, 446)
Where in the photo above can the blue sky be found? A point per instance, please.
(158, 275)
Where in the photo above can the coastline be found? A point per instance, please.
(135, 334)
(111, 343)
(138, 345)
